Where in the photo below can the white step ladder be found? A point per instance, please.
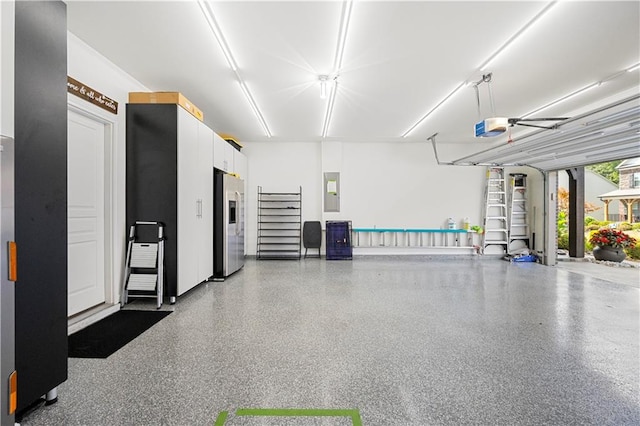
(144, 266)
(518, 212)
(495, 237)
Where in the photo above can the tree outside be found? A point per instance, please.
(607, 170)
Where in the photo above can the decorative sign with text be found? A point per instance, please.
(91, 95)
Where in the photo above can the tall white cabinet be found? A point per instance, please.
(170, 179)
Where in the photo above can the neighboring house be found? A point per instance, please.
(628, 193)
(594, 185)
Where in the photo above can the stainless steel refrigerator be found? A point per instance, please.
(228, 225)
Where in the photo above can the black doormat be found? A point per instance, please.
(103, 338)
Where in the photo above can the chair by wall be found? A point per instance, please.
(312, 236)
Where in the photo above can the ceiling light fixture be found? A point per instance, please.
(337, 64)
(633, 68)
(342, 39)
(517, 35)
(329, 111)
(254, 107)
(562, 99)
(323, 86)
(211, 20)
(424, 117)
(213, 24)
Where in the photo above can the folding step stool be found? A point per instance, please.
(144, 265)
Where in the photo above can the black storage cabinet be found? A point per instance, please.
(40, 200)
(338, 244)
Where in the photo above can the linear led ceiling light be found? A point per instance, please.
(517, 35)
(583, 90)
(633, 68)
(208, 14)
(215, 28)
(484, 66)
(254, 107)
(329, 112)
(342, 39)
(337, 64)
(432, 110)
(562, 99)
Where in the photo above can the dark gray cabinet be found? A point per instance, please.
(41, 197)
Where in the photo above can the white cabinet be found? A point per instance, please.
(240, 165)
(225, 156)
(222, 156)
(170, 180)
(195, 202)
(188, 201)
(205, 196)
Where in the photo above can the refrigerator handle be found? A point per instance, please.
(237, 213)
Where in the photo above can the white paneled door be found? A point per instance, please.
(86, 212)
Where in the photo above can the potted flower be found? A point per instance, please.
(609, 244)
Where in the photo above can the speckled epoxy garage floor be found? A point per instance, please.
(403, 340)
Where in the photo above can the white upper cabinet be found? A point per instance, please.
(227, 158)
(240, 164)
(219, 153)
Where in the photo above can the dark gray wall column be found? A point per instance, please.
(41, 197)
(576, 212)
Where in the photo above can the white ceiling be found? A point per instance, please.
(401, 59)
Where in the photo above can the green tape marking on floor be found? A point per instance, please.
(301, 412)
(222, 417)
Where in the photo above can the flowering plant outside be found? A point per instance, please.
(611, 238)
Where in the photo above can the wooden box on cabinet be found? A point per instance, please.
(166, 98)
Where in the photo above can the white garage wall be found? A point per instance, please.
(382, 184)
(282, 167)
(401, 186)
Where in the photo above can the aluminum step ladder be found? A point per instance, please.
(144, 265)
(495, 239)
(518, 212)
